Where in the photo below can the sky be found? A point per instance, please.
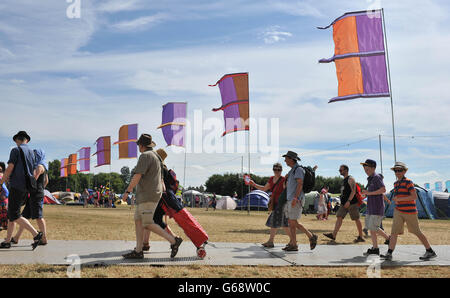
(72, 71)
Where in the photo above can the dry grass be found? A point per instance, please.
(78, 223)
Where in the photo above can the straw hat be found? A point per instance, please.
(162, 153)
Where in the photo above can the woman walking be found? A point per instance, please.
(276, 220)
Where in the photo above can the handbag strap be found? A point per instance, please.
(22, 155)
(273, 187)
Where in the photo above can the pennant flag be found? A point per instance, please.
(174, 123)
(72, 164)
(359, 55)
(438, 186)
(84, 158)
(127, 141)
(447, 185)
(103, 151)
(427, 185)
(63, 168)
(235, 101)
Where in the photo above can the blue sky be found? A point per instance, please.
(69, 81)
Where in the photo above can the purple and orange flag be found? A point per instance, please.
(235, 101)
(103, 151)
(72, 164)
(63, 168)
(84, 158)
(127, 141)
(359, 55)
(174, 123)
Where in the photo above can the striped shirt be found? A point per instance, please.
(405, 188)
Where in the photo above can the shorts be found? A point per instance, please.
(398, 224)
(293, 213)
(16, 200)
(353, 209)
(34, 205)
(145, 212)
(373, 222)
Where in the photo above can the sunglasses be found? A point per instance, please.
(399, 171)
(277, 169)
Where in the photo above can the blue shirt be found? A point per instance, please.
(17, 178)
(295, 173)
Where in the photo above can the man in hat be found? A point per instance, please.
(375, 204)
(20, 169)
(295, 199)
(150, 186)
(405, 211)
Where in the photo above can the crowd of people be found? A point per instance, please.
(27, 177)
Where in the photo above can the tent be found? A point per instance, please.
(258, 200)
(50, 199)
(442, 203)
(311, 202)
(226, 202)
(193, 198)
(424, 203)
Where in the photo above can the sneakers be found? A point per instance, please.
(372, 251)
(387, 240)
(387, 256)
(359, 239)
(428, 255)
(313, 242)
(175, 246)
(330, 235)
(134, 255)
(37, 240)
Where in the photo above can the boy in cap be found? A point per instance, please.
(405, 211)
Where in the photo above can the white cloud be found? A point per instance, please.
(273, 35)
(142, 23)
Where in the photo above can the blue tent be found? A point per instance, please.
(258, 200)
(442, 203)
(424, 203)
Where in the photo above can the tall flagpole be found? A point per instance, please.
(248, 142)
(381, 155)
(185, 151)
(390, 86)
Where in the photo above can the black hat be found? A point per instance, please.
(22, 134)
(370, 163)
(146, 140)
(292, 155)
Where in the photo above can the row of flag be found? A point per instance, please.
(438, 186)
(361, 72)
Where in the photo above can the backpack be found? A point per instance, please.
(170, 180)
(309, 180)
(359, 195)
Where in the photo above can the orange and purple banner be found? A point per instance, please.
(63, 168)
(127, 141)
(359, 55)
(84, 158)
(72, 164)
(103, 151)
(235, 101)
(173, 123)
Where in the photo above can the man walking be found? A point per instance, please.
(19, 173)
(375, 204)
(295, 199)
(349, 204)
(150, 186)
(405, 211)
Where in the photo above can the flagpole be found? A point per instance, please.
(185, 151)
(248, 144)
(390, 86)
(381, 156)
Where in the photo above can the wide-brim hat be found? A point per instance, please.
(146, 141)
(399, 165)
(21, 134)
(162, 153)
(292, 155)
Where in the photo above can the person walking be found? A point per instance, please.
(4, 193)
(19, 172)
(349, 204)
(149, 185)
(375, 204)
(295, 199)
(276, 219)
(322, 205)
(85, 198)
(405, 211)
(35, 203)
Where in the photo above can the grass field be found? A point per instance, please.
(78, 223)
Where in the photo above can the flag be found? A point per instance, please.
(103, 151)
(72, 164)
(84, 158)
(127, 141)
(174, 123)
(438, 186)
(63, 168)
(427, 185)
(359, 55)
(235, 101)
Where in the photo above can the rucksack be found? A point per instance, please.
(359, 195)
(309, 180)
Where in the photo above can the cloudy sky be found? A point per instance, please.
(67, 79)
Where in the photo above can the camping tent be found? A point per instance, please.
(226, 202)
(190, 198)
(50, 199)
(258, 200)
(442, 203)
(311, 202)
(424, 203)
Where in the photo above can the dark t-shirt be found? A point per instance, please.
(346, 191)
(17, 178)
(375, 204)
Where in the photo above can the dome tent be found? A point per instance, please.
(258, 201)
(424, 203)
(226, 202)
